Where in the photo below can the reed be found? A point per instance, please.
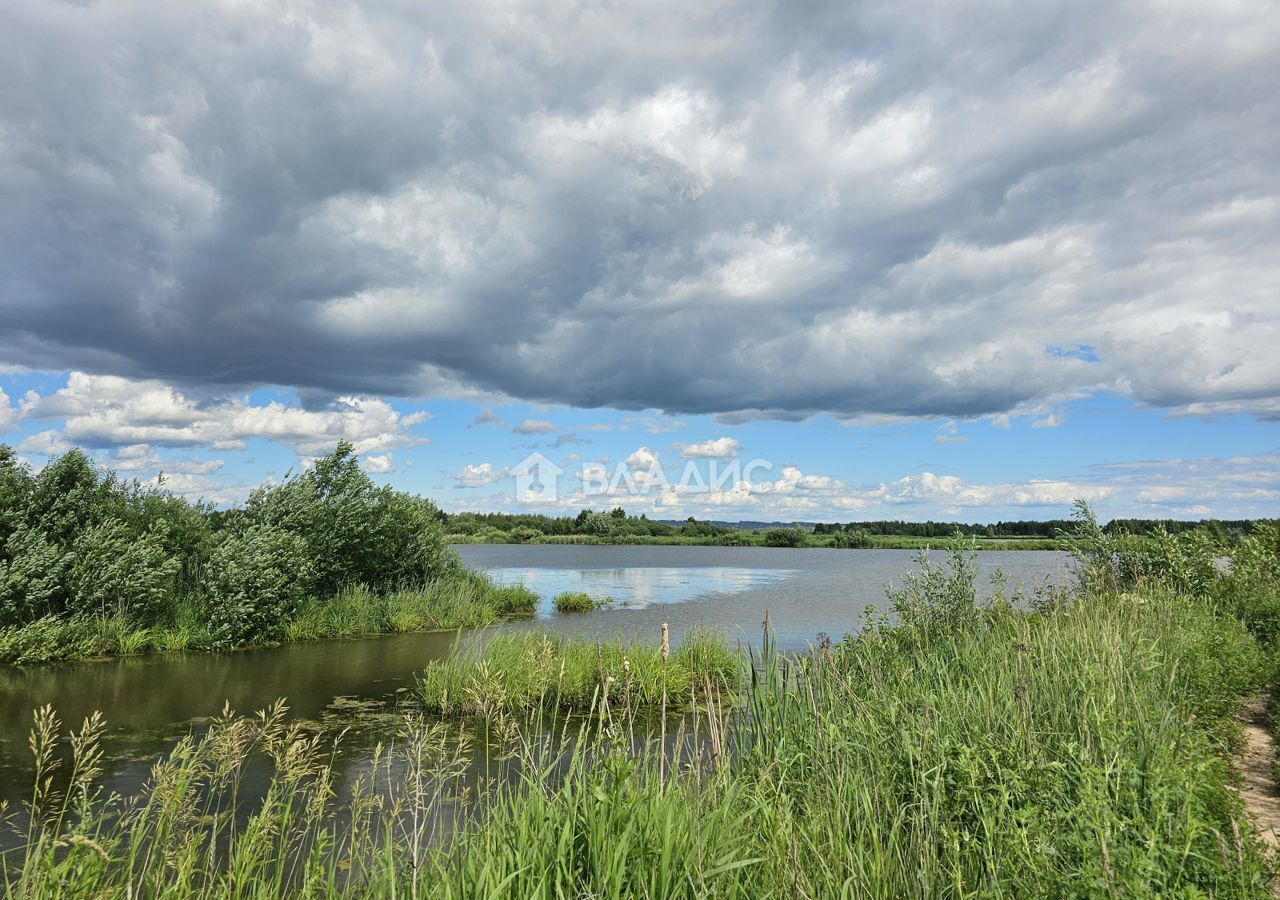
(576, 602)
(528, 671)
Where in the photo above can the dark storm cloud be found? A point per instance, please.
(727, 207)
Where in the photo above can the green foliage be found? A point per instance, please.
(355, 532)
(257, 578)
(594, 523)
(33, 574)
(527, 671)
(115, 572)
(15, 491)
(1251, 588)
(523, 534)
(784, 537)
(46, 640)
(76, 543)
(849, 540)
(574, 602)
(463, 601)
(1112, 559)
(938, 600)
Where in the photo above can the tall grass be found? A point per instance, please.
(1076, 749)
(529, 671)
(576, 602)
(454, 603)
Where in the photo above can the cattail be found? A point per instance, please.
(666, 642)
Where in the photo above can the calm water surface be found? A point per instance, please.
(151, 701)
(805, 591)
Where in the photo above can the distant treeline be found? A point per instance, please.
(618, 523)
(613, 522)
(1047, 528)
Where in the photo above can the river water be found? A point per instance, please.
(151, 701)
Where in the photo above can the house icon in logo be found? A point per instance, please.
(536, 479)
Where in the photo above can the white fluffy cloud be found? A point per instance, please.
(379, 463)
(642, 459)
(106, 411)
(717, 448)
(951, 491)
(478, 475)
(8, 413)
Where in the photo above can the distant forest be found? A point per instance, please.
(618, 522)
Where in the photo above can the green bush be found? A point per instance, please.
(32, 577)
(856, 539)
(355, 532)
(256, 579)
(1251, 589)
(523, 534)
(784, 537)
(117, 573)
(46, 639)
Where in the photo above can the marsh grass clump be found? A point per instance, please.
(464, 601)
(576, 602)
(527, 671)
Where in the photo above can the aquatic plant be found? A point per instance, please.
(575, 602)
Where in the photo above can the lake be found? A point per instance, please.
(806, 591)
(151, 701)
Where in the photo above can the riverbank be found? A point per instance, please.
(1082, 747)
(465, 600)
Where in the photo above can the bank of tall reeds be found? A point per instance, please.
(1077, 748)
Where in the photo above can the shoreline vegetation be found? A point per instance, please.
(92, 566)
(1077, 743)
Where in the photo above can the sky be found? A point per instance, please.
(737, 260)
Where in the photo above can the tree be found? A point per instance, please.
(115, 572)
(257, 578)
(355, 532)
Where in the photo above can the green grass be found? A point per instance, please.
(467, 600)
(576, 602)
(530, 671)
(1078, 749)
